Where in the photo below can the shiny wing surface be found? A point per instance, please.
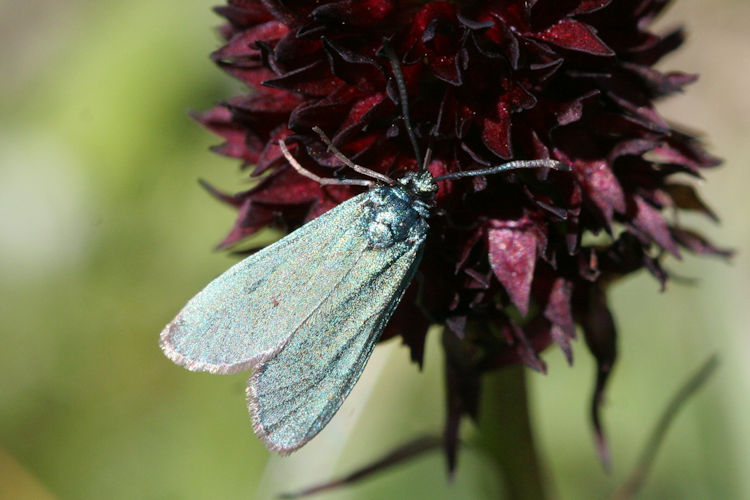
(294, 394)
(251, 310)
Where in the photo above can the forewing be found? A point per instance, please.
(294, 394)
(250, 311)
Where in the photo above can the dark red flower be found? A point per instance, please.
(488, 81)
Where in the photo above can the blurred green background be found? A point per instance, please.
(104, 234)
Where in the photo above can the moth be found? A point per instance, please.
(306, 312)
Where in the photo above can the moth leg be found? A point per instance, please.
(346, 161)
(323, 181)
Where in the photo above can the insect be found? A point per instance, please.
(306, 312)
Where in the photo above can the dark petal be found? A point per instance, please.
(447, 69)
(697, 243)
(632, 100)
(470, 242)
(288, 12)
(361, 71)
(601, 187)
(271, 156)
(249, 75)
(457, 325)
(514, 14)
(478, 280)
(660, 84)
(685, 197)
(557, 306)
(541, 72)
(361, 113)
(313, 80)
(572, 111)
(562, 340)
(650, 55)
(544, 13)
(410, 323)
(601, 338)
(250, 219)
(650, 9)
(262, 112)
(285, 188)
(235, 200)
(356, 13)
(654, 268)
(588, 6)
(242, 48)
(240, 143)
(519, 98)
(463, 388)
(292, 52)
(650, 223)
(331, 196)
(631, 147)
(504, 38)
(434, 30)
(496, 131)
(574, 35)
(525, 348)
(242, 13)
(686, 150)
(326, 112)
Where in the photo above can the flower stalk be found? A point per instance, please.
(506, 435)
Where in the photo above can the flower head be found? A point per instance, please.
(524, 257)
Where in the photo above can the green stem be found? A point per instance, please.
(505, 433)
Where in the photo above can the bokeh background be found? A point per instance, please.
(104, 234)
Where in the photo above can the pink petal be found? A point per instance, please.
(650, 221)
(602, 187)
(512, 255)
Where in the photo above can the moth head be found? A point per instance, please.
(420, 183)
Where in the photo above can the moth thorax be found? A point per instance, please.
(387, 227)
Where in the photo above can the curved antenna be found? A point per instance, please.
(511, 165)
(433, 133)
(346, 161)
(323, 181)
(388, 51)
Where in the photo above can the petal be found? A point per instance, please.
(601, 338)
(242, 46)
(602, 187)
(697, 243)
(512, 254)
(650, 221)
(250, 219)
(575, 35)
(240, 142)
(496, 131)
(354, 13)
(314, 79)
(685, 197)
(242, 13)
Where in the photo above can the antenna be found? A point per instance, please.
(511, 165)
(323, 181)
(388, 51)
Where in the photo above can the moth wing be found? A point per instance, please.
(294, 394)
(248, 312)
